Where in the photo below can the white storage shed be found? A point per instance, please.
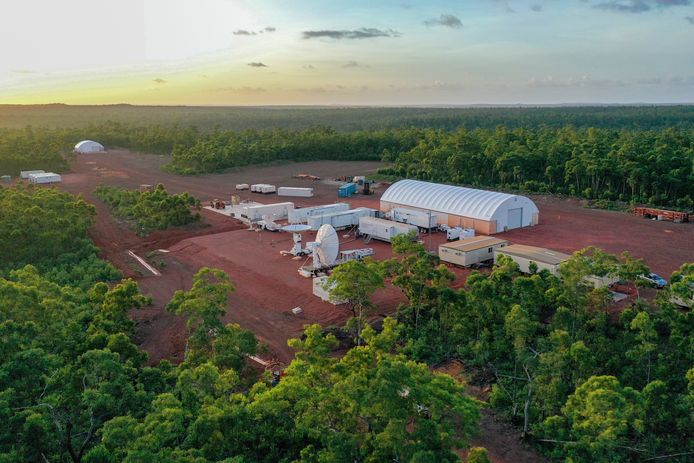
(277, 211)
(488, 212)
(295, 191)
(342, 219)
(46, 177)
(88, 146)
(302, 214)
(263, 188)
(26, 173)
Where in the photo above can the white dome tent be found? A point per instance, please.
(488, 212)
(88, 146)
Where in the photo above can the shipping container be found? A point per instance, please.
(422, 219)
(384, 230)
(26, 173)
(342, 219)
(47, 177)
(470, 251)
(263, 188)
(302, 214)
(277, 211)
(347, 190)
(294, 191)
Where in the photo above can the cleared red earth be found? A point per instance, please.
(268, 285)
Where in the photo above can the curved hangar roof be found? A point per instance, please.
(88, 146)
(455, 200)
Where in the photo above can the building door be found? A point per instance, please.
(515, 218)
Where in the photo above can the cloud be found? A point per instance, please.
(159, 81)
(258, 64)
(624, 6)
(672, 81)
(537, 8)
(446, 20)
(505, 5)
(23, 71)
(245, 90)
(356, 34)
(354, 64)
(308, 66)
(667, 3)
(689, 19)
(247, 32)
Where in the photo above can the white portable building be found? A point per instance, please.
(263, 188)
(301, 215)
(470, 251)
(384, 230)
(342, 219)
(88, 146)
(422, 219)
(277, 211)
(488, 212)
(523, 255)
(242, 186)
(295, 191)
(47, 177)
(26, 173)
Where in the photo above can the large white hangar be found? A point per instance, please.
(488, 212)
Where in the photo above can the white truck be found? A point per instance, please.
(457, 233)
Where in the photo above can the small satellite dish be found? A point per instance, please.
(328, 245)
(296, 228)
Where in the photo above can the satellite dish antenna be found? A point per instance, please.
(327, 246)
(296, 230)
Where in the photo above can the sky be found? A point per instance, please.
(354, 52)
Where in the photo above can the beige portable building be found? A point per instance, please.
(523, 255)
(488, 212)
(471, 250)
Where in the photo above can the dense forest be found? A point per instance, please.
(582, 383)
(75, 388)
(349, 118)
(630, 154)
(150, 210)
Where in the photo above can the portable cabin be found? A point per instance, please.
(423, 219)
(277, 211)
(342, 219)
(346, 190)
(523, 255)
(302, 214)
(471, 250)
(242, 186)
(46, 177)
(26, 173)
(294, 191)
(384, 230)
(263, 188)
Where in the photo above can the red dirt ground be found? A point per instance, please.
(254, 263)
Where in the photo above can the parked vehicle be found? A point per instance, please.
(655, 279)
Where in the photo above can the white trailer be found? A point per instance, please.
(384, 230)
(295, 191)
(47, 177)
(342, 219)
(277, 211)
(457, 233)
(470, 251)
(263, 188)
(302, 214)
(242, 186)
(26, 173)
(423, 219)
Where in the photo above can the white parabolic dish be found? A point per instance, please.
(328, 244)
(296, 228)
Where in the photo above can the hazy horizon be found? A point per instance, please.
(336, 53)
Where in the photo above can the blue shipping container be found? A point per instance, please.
(346, 190)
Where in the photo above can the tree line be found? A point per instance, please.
(581, 381)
